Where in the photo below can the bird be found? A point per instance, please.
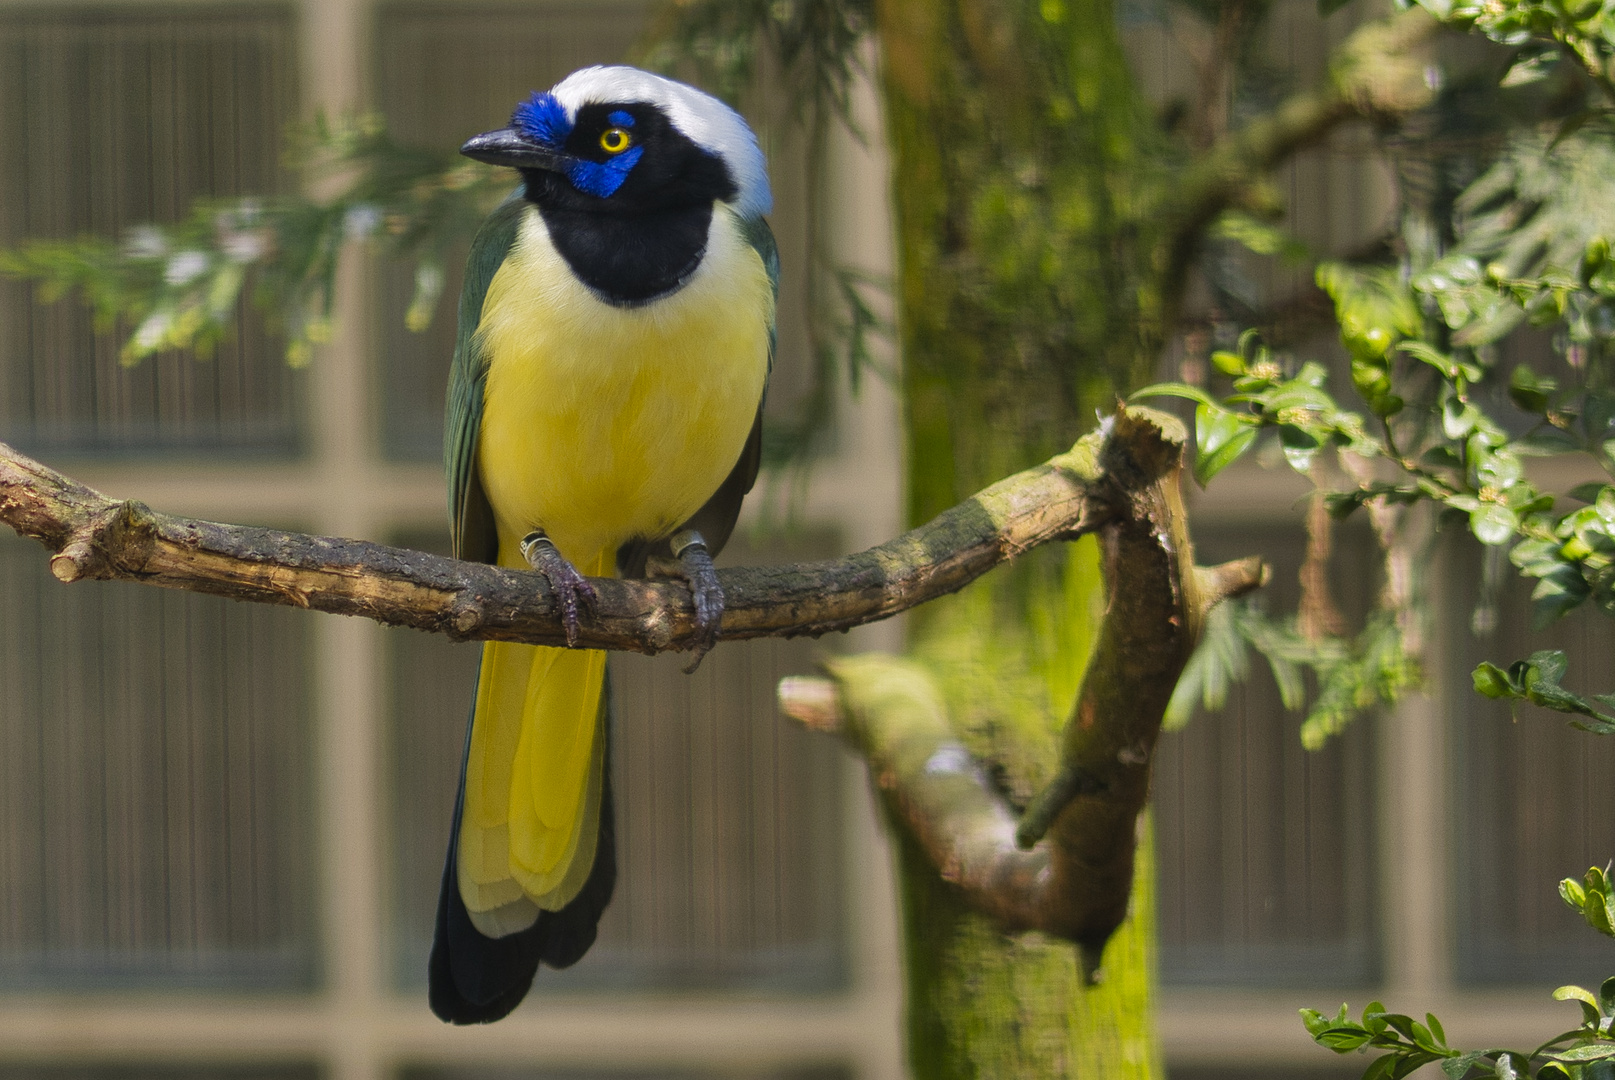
(616, 336)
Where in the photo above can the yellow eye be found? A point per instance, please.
(614, 140)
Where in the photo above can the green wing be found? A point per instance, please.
(761, 239)
(470, 517)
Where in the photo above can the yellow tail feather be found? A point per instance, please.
(533, 781)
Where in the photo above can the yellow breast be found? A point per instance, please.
(602, 423)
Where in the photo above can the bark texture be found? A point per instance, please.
(1046, 226)
(93, 536)
(1075, 886)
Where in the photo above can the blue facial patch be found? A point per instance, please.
(602, 178)
(543, 119)
(621, 119)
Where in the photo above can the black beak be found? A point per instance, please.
(507, 146)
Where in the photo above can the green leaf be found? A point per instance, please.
(1598, 914)
(1529, 391)
(1292, 686)
(1575, 993)
(1458, 1067)
(1381, 1067)
(1492, 682)
(1300, 447)
(1342, 1041)
(1220, 437)
(1424, 1039)
(1257, 235)
(1550, 664)
(1493, 524)
(1530, 70)
(1560, 590)
(1589, 1004)
(1174, 389)
(1587, 1052)
(1458, 418)
(1373, 306)
(1228, 363)
(1435, 358)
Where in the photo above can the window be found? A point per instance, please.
(110, 118)
(1532, 796)
(1265, 849)
(154, 788)
(154, 814)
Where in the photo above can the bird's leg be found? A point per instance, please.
(695, 564)
(572, 589)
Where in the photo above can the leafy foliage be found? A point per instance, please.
(1537, 681)
(1419, 344)
(1584, 1053)
(1351, 675)
(180, 284)
(816, 42)
(1593, 898)
(1529, 245)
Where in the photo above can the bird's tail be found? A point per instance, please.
(477, 979)
(533, 775)
(530, 866)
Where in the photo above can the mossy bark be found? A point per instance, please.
(1027, 301)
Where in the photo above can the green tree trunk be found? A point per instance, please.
(1015, 130)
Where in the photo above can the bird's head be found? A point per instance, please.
(617, 139)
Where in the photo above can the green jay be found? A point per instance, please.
(616, 333)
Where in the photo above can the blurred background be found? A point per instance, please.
(222, 825)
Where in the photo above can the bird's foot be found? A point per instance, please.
(695, 566)
(572, 590)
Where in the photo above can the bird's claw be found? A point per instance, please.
(572, 590)
(695, 565)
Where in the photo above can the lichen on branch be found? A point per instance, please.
(93, 536)
(1075, 885)
(1120, 482)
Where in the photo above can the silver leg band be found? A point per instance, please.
(684, 541)
(532, 540)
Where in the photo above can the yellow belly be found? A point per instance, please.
(600, 423)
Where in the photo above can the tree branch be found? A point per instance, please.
(1076, 885)
(97, 537)
(1378, 73)
(1121, 482)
